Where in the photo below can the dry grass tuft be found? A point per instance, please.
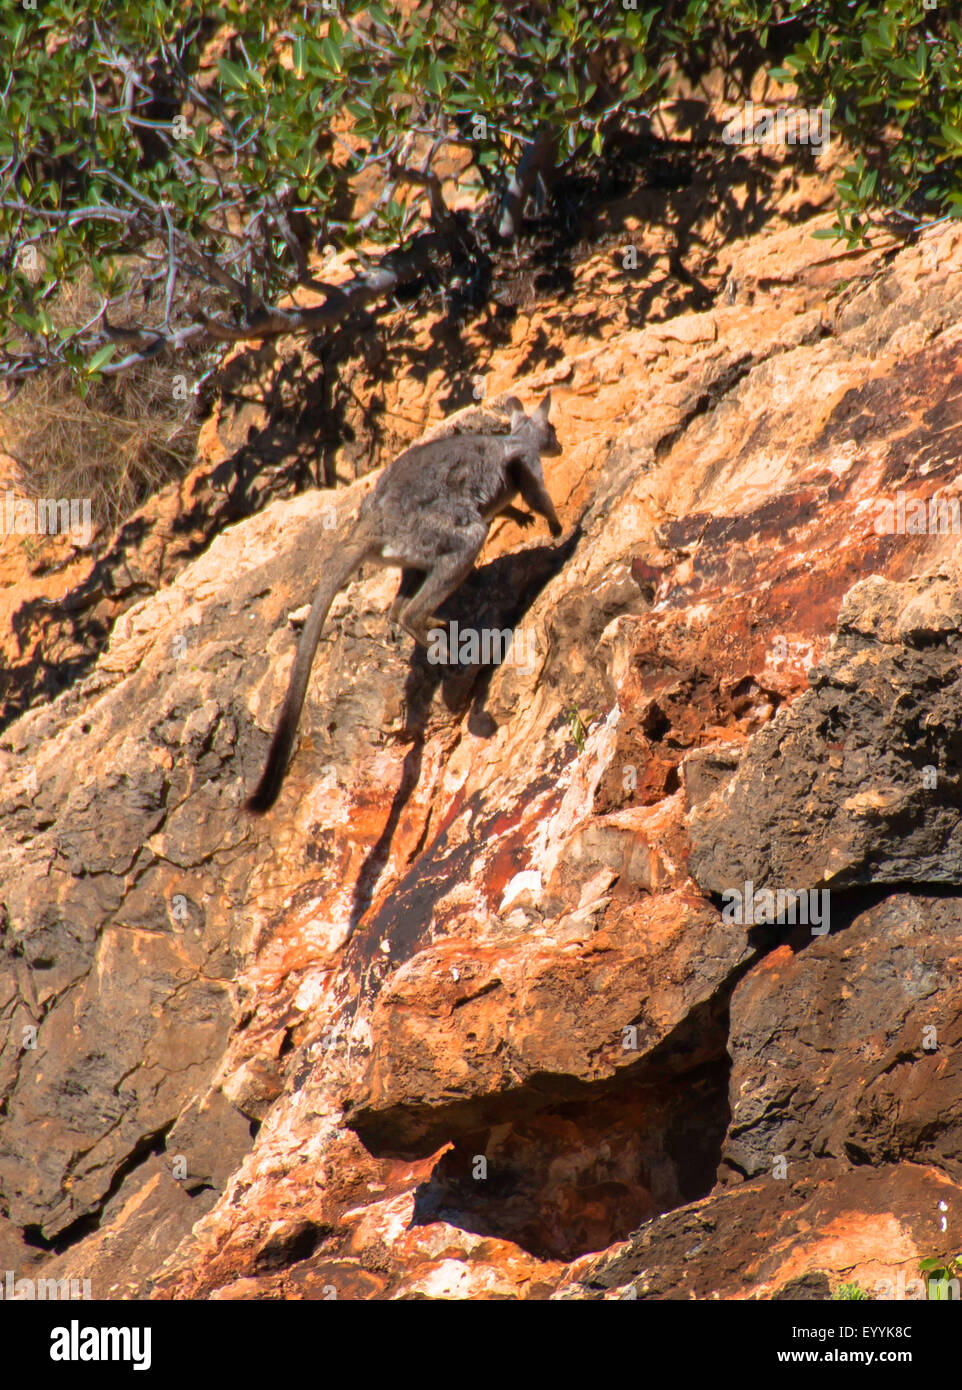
(129, 436)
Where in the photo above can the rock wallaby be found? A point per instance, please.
(429, 513)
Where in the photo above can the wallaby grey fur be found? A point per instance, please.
(429, 512)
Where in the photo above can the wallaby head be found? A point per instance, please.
(536, 425)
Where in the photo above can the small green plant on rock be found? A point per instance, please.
(942, 1274)
(578, 726)
(850, 1291)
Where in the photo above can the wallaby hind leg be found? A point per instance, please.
(411, 581)
(449, 570)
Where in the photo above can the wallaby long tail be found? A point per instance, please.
(355, 551)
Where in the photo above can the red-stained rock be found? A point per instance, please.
(859, 780)
(468, 1035)
(796, 1238)
(848, 1046)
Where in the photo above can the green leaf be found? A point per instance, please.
(332, 53)
(436, 82)
(902, 68)
(232, 74)
(375, 13)
(100, 358)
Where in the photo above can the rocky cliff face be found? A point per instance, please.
(495, 985)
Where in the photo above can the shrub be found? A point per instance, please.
(192, 160)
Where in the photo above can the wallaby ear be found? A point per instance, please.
(544, 407)
(516, 410)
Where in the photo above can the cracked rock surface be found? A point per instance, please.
(464, 1017)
